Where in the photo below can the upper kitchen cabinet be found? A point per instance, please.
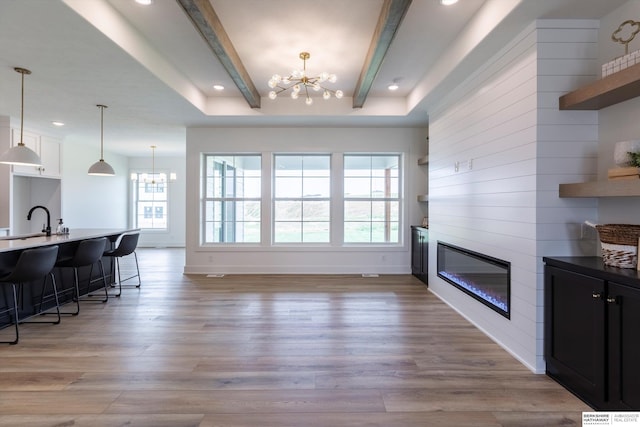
(46, 147)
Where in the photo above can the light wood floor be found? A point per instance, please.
(270, 351)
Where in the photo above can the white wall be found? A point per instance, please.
(618, 122)
(174, 236)
(504, 122)
(334, 258)
(93, 201)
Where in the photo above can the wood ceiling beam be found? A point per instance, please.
(206, 20)
(391, 15)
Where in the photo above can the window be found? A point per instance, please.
(302, 198)
(371, 198)
(232, 185)
(150, 201)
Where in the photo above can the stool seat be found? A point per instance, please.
(32, 265)
(88, 253)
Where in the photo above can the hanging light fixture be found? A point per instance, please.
(153, 178)
(21, 154)
(299, 82)
(101, 168)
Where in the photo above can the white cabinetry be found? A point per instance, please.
(46, 147)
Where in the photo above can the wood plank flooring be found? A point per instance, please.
(269, 351)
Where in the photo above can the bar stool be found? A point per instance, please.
(32, 265)
(125, 245)
(87, 253)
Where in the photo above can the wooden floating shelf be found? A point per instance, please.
(423, 198)
(612, 89)
(613, 188)
(423, 160)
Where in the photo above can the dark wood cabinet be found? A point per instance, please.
(592, 326)
(623, 303)
(420, 252)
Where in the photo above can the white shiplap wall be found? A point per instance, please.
(513, 147)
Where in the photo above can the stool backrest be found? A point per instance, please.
(89, 251)
(33, 264)
(128, 244)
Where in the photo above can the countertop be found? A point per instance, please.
(16, 243)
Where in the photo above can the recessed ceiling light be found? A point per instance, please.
(448, 2)
(218, 87)
(56, 123)
(144, 2)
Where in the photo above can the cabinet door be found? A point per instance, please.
(574, 333)
(416, 256)
(32, 141)
(623, 305)
(424, 243)
(50, 155)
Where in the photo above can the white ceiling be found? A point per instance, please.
(154, 71)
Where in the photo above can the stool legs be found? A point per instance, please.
(104, 280)
(120, 280)
(76, 289)
(17, 320)
(15, 317)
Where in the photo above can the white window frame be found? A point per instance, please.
(387, 199)
(147, 179)
(226, 199)
(302, 199)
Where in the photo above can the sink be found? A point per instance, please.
(22, 236)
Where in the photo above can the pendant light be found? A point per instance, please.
(21, 154)
(101, 168)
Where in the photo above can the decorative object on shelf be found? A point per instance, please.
(624, 34)
(21, 154)
(619, 244)
(634, 158)
(626, 156)
(621, 152)
(619, 38)
(101, 168)
(298, 81)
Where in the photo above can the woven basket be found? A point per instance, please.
(619, 244)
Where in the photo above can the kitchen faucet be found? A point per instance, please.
(48, 229)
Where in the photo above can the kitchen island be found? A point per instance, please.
(12, 246)
(35, 240)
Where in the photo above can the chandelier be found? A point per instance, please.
(153, 179)
(299, 82)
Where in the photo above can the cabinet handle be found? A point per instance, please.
(611, 300)
(596, 295)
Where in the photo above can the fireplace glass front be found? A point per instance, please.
(485, 278)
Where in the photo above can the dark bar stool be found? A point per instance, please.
(87, 253)
(125, 245)
(32, 265)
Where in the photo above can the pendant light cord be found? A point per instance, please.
(153, 164)
(102, 107)
(22, 71)
(22, 110)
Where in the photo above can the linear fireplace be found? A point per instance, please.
(485, 278)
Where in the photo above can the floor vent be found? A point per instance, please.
(370, 275)
(219, 276)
